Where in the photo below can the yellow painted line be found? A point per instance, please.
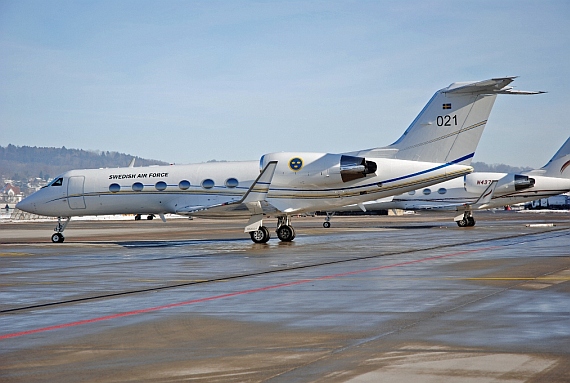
(14, 254)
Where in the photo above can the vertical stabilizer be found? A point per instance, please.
(449, 127)
(559, 165)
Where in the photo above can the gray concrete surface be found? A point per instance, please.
(395, 299)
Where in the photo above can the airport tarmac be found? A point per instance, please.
(376, 298)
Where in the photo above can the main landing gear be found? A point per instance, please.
(467, 220)
(285, 232)
(327, 222)
(260, 235)
(149, 217)
(57, 237)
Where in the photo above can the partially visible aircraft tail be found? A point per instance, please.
(449, 127)
(559, 164)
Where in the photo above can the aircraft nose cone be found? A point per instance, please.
(26, 205)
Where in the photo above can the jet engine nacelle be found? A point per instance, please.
(514, 182)
(507, 182)
(353, 168)
(317, 169)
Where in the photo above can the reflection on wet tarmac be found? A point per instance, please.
(331, 306)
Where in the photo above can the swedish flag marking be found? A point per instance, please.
(295, 164)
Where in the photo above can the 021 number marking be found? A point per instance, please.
(446, 120)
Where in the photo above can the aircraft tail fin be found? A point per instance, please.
(449, 127)
(559, 164)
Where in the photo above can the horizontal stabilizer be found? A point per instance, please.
(492, 86)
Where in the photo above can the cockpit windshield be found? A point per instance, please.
(58, 181)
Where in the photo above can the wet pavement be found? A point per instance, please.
(399, 299)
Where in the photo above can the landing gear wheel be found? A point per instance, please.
(462, 222)
(150, 217)
(326, 225)
(470, 221)
(57, 238)
(261, 235)
(286, 233)
(137, 217)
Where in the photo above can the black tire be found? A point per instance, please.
(326, 224)
(150, 217)
(286, 233)
(294, 234)
(470, 221)
(462, 222)
(57, 238)
(261, 235)
(137, 217)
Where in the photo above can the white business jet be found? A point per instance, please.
(483, 190)
(437, 146)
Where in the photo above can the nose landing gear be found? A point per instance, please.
(57, 238)
(327, 222)
(60, 227)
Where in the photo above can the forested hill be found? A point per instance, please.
(498, 168)
(24, 162)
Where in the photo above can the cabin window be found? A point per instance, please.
(412, 192)
(114, 188)
(427, 191)
(442, 190)
(208, 184)
(160, 185)
(137, 186)
(183, 185)
(232, 183)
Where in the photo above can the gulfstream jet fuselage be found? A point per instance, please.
(192, 189)
(436, 147)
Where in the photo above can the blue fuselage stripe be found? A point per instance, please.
(432, 169)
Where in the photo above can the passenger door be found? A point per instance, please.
(75, 191)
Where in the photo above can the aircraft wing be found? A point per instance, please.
(252, 203)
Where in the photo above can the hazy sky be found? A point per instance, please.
(191, 81)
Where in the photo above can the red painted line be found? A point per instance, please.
(234, 294)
